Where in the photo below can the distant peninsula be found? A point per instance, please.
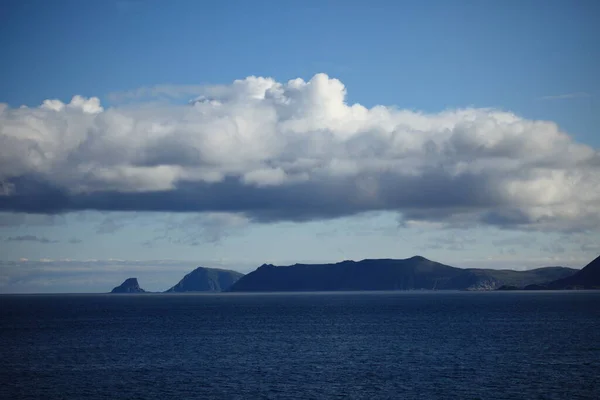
(415, 273)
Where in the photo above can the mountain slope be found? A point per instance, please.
(520, 279)
(130, 285)
(414, 273)
(586, 278)
(206, 280)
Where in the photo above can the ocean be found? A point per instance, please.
(369, 345)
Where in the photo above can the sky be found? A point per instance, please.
(145, 138)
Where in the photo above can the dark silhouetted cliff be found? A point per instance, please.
(206, 280)
(416, 273)
(130, 285)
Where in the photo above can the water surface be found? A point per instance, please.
(409, 345)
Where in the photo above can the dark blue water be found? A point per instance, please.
(520, 345)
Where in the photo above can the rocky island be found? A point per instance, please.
(130, 285)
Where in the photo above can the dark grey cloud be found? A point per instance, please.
(200, 228)
(309, 200)
(109, 225)
(554, 248)
(591, 248)
(454, 241)
(30, 238)
(17, 219)
(523, 240)
(295, 151)
(508, 251)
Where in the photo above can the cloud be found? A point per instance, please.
(591, 248)
(75, 241)
(296, 151)
(158, 91)
(109, 225)
(450, 241)
(18, 219)
(196, 229)
(30, 238)
(580, 243)
(566, 96)
(525, 241)
(553, 248)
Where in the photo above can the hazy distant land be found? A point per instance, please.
(415, 273)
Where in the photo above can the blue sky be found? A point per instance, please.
(509, 64)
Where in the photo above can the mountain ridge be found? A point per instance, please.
(586, 278)
(414, 273)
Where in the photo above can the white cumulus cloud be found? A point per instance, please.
(297, 151)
